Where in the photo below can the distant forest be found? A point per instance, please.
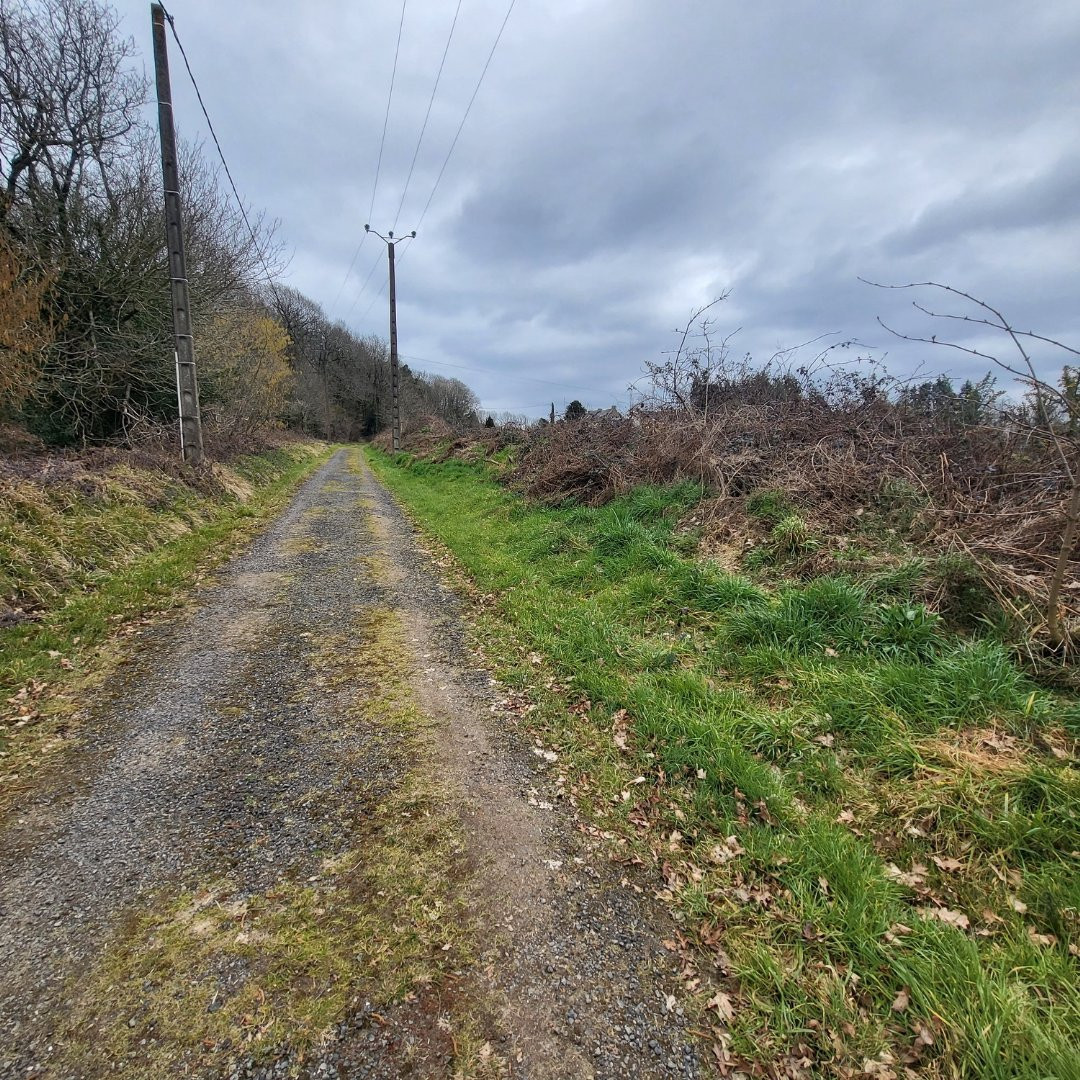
(86, 350)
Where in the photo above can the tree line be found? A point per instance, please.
(86, 350)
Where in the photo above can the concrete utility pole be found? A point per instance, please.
(395, 396)
(187, 385)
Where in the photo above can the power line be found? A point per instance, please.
(427, 115)
(220, 152)
(386, 118)
(356, 298)
(378, 164)
(382, 290)
(468, 109)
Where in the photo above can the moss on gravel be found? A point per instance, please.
(217, 975)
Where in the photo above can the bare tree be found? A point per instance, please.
(1052, 416)
(68, 100)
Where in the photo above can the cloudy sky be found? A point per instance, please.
(626, 161)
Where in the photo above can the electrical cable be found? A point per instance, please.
(378, 164)
(363, 288)
(427, 115)
(382, 291)
(221, 153)
(386, 118)
(468, 109)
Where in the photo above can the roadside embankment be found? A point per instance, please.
(91, 547)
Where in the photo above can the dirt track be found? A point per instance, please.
(250, 778)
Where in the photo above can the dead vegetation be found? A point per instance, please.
(872, 465)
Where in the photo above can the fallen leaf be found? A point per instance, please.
(923, 1035)
(901, 1001)
(1041, 939)
(722, 1004)
(912, 878)
(947, 915)
(948, 865)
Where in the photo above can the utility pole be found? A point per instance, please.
(187, 385)
(395, 387)
(395, 394)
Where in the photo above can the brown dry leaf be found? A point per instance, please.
(947, 915)
(901, 1001)
(722, 1004)
(1041, 939)
(948, 865)
(1018, 905)
(845, 817)
(619, 729)
(729, 849)
(913, 878)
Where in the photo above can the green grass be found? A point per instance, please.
(92, 556)
(842, 732)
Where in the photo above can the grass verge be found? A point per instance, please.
(88, 559)
(868, 823)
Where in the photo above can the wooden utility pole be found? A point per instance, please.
(395, 386)
(187, 385)
(395, 408)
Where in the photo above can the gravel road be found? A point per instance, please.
(224, 753)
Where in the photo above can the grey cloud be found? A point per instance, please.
(626, 161)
